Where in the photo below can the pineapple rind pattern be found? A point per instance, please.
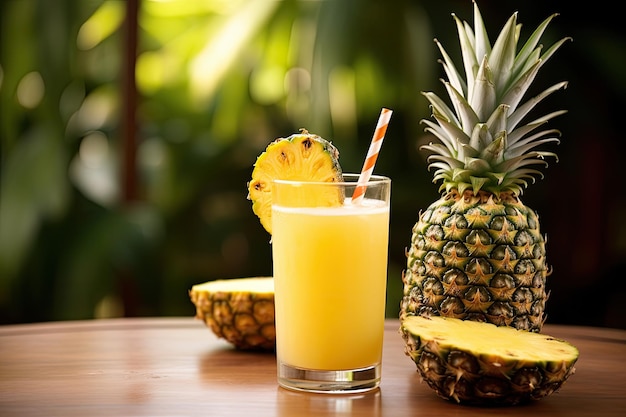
(243, 318)
(477, 261)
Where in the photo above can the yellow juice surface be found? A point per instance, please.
(330, 273)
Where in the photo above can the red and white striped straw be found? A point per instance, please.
(372, 154)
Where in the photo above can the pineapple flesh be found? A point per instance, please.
(240, 310)
(302, 156)
(477, 253)
(482, 364)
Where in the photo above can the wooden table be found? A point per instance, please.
(177, 367)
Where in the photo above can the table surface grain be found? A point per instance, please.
(177, 367)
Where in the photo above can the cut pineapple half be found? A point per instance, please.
(239, 310)
(299, 157)
(481, 363)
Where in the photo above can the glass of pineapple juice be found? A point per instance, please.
(330, 276)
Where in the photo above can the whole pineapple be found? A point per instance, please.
(477, 253)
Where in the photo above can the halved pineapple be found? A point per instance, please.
(239, 310)
(302, 156)
(481, 363)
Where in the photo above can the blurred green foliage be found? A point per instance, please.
(216, 81)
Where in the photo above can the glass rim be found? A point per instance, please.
(374, 179)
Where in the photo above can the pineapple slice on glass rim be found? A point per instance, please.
(299, 157)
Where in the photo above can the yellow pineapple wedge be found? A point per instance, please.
(483, 364)
(301, 156)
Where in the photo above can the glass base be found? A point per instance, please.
(323, 381)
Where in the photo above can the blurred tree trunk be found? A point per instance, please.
(129, 184)
(129, 104)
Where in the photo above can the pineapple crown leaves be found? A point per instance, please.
(482, 145)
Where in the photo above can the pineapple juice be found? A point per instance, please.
(330, 270)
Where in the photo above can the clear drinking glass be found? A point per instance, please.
(330, 276)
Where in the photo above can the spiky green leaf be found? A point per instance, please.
(449, 142)
(482, 45)
(485, 142)
(454, 132)
(439, 107)
(516, 117)
(470, 63)
(532, 42)
(481, 136)
(517, 90)
(532, 142)
(494, 152)
(502, 55)
(452, 73)
(478, 183)
(521, 132)
(477, 165)
(464, 111)
(498, 121)
(483, 98)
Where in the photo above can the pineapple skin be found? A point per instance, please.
(245, 319)
(467, 376)
(477, 257)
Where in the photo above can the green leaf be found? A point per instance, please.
(441, 133)
(494, 152)
(450, 69)
(524, 146)
(483, 97)
(453, 131)
(498, 121)
(482, 45)
(470, 61)
(465, 112)
(518, 115)
(503, 53)
(476, 165)
(478, 183)
(440, 108)
(529, 47)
